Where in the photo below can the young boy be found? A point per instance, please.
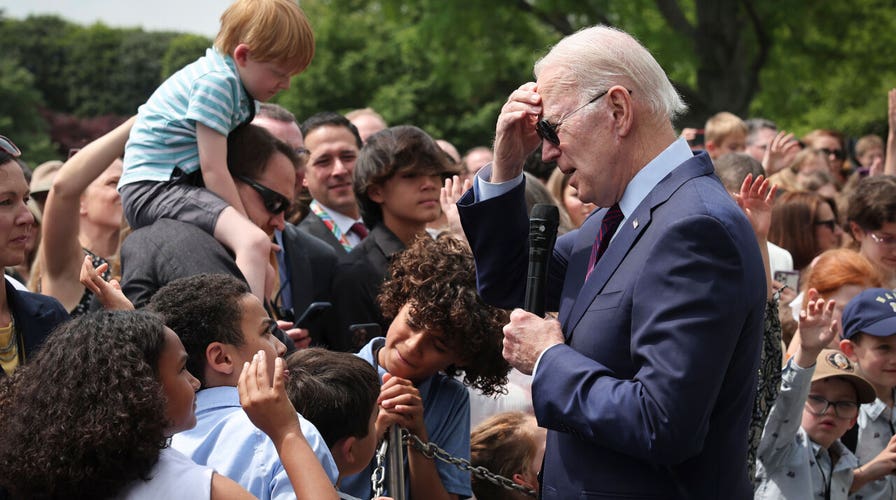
(222, 326)
(440, 327)
(725, 133)
(398, 181)
(802, 457)
(337, 392)
(871, 212)
(175, 159)
(869, 340)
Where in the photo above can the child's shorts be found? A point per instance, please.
(183, 197)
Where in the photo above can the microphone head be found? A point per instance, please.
(543, 224)
(545, 211)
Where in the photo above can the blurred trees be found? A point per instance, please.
(449, 66)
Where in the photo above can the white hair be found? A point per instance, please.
(596, 58)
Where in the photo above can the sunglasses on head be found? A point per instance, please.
(274, 202)
(9, 147)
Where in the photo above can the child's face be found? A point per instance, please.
(258, 335)
(878, 246)
(734, 142)
(408, 199)
(871, 156)
(414, 354)
(263, 80)
(178, 385)
(827, 428)
(876, 360)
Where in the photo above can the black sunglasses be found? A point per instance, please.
(274, 202)
(9, 147)
(838, 153)
(830, 223)
(548, 131)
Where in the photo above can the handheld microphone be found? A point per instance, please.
(543, 222)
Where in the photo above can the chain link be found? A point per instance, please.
(430, 450)
(379, 472)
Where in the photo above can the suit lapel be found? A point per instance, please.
(627, 235)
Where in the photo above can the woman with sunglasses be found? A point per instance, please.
(25, 318)
(831, 144)
(82, 219)
(804, 224)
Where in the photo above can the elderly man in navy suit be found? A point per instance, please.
(646, 382)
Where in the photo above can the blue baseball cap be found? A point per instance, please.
(873, 312)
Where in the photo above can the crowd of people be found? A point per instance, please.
(217, 300)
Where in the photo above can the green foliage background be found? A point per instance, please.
(448, 66)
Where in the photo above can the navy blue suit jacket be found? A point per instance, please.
(651, 395)
(36, 316)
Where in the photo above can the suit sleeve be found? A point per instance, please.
(686, 322)
(498, 230)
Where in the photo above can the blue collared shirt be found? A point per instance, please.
(446, 414)
(225, 439)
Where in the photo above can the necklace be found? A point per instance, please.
(8, 352)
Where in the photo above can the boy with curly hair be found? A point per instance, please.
(440, 327)
(175, 160)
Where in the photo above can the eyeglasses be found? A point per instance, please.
(274, 202)
(842, 409)
(837, 153)
(830, 224)
(886, 241)
(548, 131)
(9, 147)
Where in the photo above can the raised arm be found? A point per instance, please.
(61, 254)
(890, 165)
(268, 407)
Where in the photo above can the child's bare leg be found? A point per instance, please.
(250, 245)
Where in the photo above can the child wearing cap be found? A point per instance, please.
(869, 341)
(800, 455)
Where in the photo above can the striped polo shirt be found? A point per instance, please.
(207, 91)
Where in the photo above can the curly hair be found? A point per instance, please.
(87, 415)
(437, 279)
(202, 309)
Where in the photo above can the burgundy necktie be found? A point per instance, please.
(607, 227)
(359, 229)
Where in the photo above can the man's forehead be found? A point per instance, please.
(339, 137)
(553, 84)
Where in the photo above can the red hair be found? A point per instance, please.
(837, 268)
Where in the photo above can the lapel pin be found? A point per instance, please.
(635, 223)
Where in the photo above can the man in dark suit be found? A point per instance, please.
(264, 170)
(646, 382)
(333, 144)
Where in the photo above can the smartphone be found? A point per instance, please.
(791, 279)
(312, 312)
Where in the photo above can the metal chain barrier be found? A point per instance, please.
(430, 450)
(379, 472)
